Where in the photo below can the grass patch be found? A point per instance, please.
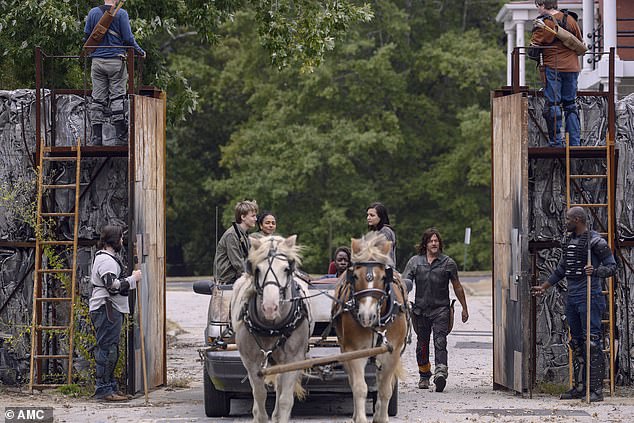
(552, 388)
(74, 390)
(179, 382)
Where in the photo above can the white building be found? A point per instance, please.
(604, 24)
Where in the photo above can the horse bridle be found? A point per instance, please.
(283, 329)
(273, 254)
(383, 295)
(379, 294)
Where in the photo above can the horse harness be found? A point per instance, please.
(350, 302)
(283, 329)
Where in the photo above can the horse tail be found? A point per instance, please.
(400, 372)
(299, 391)
(270, 380)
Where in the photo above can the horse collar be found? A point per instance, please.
(285, 327)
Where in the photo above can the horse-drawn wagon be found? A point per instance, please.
(243, 352)
(224, 375)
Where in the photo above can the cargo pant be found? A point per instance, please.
(426, 322)
(109, 79)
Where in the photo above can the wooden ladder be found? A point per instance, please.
(607, 153)
(57, 275)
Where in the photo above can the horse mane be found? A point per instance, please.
(289, 249)
(373, 246)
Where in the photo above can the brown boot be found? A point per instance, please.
(113, 397)
(122, 394)
(423, 383)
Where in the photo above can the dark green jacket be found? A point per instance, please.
(231, 255)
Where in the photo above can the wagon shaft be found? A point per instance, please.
(311, 362)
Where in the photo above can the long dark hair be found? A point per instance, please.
(381, 212)
(422, 247)
(110, 236)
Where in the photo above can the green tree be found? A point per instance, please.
(392, 115)
(297, 32)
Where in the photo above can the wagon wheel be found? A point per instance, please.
(217, 403)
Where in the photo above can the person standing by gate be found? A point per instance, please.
(108, 303)
(431, 271)
(561, 66)
(573, 266)
(109, 73)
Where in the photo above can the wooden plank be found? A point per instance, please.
(139, 137)
(510, 166)
(158, 326)
(160, 180)
(155, 105)
(150, 212)
(147, 142)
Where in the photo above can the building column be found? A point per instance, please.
(510, 45)
(609, 40)
(519, 42)
(609, 24)
(588, 29)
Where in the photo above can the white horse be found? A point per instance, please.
(272, 322)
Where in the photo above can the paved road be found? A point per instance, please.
(468, 396)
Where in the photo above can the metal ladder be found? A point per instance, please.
(607, 153)
(43, 273)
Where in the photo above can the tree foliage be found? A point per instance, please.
(294, 32)
(398, 113)
(315, 109)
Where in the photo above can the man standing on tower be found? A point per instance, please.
(561, 66)
(108, 72)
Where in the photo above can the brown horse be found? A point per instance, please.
(371, 309)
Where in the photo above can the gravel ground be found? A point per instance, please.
(468, 396)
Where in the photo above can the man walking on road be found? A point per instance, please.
(431, 272)
(573, 266)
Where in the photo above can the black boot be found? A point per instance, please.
(121, 126)
(578, 389)
(576, 392)
(96, 137)
(597, 369)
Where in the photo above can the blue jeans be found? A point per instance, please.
(576, 309)
(107, 351)
(561, 92)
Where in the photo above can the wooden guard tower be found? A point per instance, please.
(517, 245)
(55, 293)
